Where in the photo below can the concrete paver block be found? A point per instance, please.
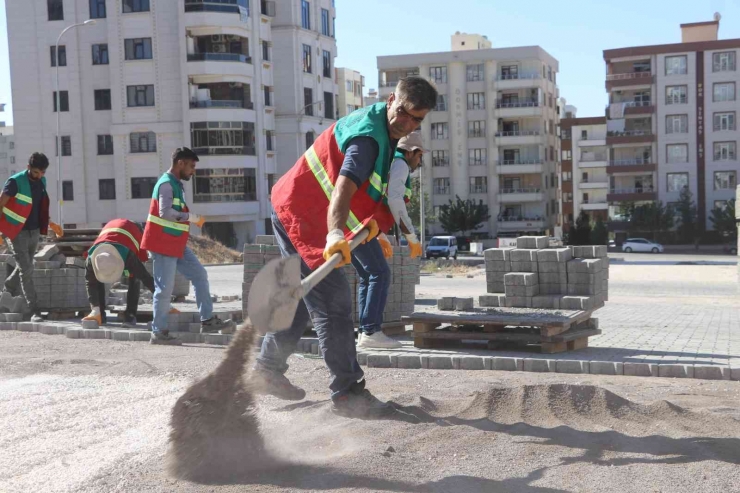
(495, 287)
(709, 372)
(27, 327)
(409, 361)
(576, 303)
(491, 300)
(521, 279)
(315, 348)
(140, 336)
(90, 324)
(14, 317)
(552, 267)
(734, 373)
(93, 334)
(73, 333)
(539, 365)
(584, 266)
(46, 252)
(440, 362)
(526, 291)
(523, 255)
(524, 266)
(605, 368)
(48, 329)
(676, 371)
(502, 363)
(472, 363)
(559, 255)
(501, 254)
(361, 357)
(546, 301)
(8, 326)
(535, 242)
(571, 366)
(378, 360)
(446, 303)
(641, 369)
(519, 301)
(120, 335)
(463, 304)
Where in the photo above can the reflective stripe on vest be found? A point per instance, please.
(123, 232)
(176, 202)
(23, 198)
(168, 224)
(319, 172)
(377, 183)
(14, 216)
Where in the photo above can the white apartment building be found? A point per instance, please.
(672, 121)
(149, 76)
(349, 84)
(305, 91)
(8, 164)
(492, 135)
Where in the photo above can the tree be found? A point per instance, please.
(599, 233)
(463, 215)
(652, 217)
(723, 220)
(687, 221)
(414, 206)
(581, 235)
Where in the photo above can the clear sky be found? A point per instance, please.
(574, 31)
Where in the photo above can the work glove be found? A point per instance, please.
(385, 244)
(196, 219)
(415, 249)
(337, 243)
(373, 229)
(56, 228)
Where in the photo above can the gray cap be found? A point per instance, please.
(411, 142)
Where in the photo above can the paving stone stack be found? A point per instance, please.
(255, 257)
(534, 276)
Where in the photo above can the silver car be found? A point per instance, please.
(641, 245)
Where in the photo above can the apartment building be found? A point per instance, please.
(672, 121)
(371, 98)
(305, 90)
(492, 135)
(584, 182)
(146, 78)
(7, 148)
(349, 86)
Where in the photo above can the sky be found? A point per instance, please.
(575, 32)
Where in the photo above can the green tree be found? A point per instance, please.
(599, 233)
(723, 220)
(414, 206)
(581, 235)
(463, 215)
(653, 218)
(687, 220)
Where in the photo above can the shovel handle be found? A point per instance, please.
(319, 274)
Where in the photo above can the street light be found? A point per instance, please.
(88, 22)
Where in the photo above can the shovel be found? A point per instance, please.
(277, 288)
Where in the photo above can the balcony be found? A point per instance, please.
(634, 165)
(670, 100)
(517, 81)
(518, 195)
(593, 205)
(479, 189)
(593, 184)
(225, 103)
(219, 57)
(519, 166)
(521, 223)
(518, 108)
(631, 194)
(630, 137)
(225, 151)
(441, 190)
(640, 107)
(592, 143)
(521, 137)
(592, 161)
(629, 79)
(222, 6)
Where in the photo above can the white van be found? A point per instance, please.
(442, 246)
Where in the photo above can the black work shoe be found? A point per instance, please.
(129, 321)
(215, 324)
(268, 382)
(359, 403)
(164, 338)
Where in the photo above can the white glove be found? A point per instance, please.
(193, 218)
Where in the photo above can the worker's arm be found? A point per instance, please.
(358, 166)
(396, 191)
(166, 211)
(9, 191)
(137, 269)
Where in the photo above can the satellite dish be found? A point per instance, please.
(717, 16)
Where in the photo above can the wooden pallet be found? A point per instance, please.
(550, 334)
(76, 242)
(388, 328)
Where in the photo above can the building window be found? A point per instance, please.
(478, 184)
(477, 128)
(584, 134)
(107, 189)
(97, 9)
(12, 159)
(326, 55)
(509, 72)
(676, 124)
(308, 101)
(441, 186)
(142, 142)
(329, 105)
(438, 74)
(325, 23)
(676, 95)
(566, 155)
(55, 9)
(142, 95)
(306, 59)
(441, 103)
(305, 14)
(677, 181)
(68, 191)
(138, 48)
(62, 55)
(100, 54)
(567, 176)
(549, 73)
(474, 72)
(723, 61)
(135, 6)
(225, 185)
(724, 151)
(105, 145)
(102, 99)
(439, 158)
(223, 138)
(677, 153)
(725, 180)
(63, 101)
(723, 91)
(267, 90)
(439, 131)
(143, 188)
(724, 121)
(269, 140)
(266, 51)
(675, 65)
(476, 101)
(310, 137)
(270, 183)
(477, 157)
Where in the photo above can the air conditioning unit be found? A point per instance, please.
(232, 37)
(219, 48)
(234, 84)
(216, 38)
(204, 94)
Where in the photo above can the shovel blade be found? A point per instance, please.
(274, 295)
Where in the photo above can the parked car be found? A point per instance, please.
(442, 246)
(641, 245)
(730, 248)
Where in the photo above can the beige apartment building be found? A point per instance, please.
(349, 91)
(492, 135)
(672, 121)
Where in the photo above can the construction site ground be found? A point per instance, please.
(92, 415)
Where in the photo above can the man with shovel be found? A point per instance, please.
(334, 191)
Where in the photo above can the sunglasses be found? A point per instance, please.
(401, 112)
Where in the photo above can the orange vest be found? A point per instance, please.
(160, 235)
(16, 211)
(125, 233)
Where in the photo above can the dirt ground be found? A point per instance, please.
(92, 416)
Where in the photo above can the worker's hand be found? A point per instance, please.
(56, 228)
(385, 244)
(196, 219)
(415, 249)
(337, 243)
(373, 230)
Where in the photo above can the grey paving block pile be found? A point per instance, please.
(60, 286)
